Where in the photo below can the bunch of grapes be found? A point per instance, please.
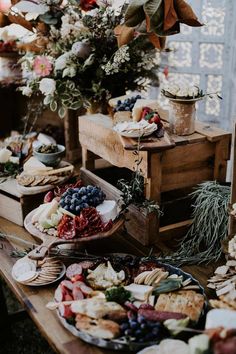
(127, 104)
(140, 329)
(77, 199)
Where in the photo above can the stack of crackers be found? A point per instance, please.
(42, 178)
(32, 273)
(224, 283)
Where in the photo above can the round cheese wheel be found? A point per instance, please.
(27, 276)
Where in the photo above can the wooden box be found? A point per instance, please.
(169, 174)
(13, 205)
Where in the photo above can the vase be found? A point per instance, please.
(182, 116)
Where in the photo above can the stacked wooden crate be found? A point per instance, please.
(169, 173)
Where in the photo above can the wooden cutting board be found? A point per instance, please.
(49, 241)
(149, 143)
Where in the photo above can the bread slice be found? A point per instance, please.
(187, 302)
(105, 329)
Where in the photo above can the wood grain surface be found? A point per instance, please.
(35, 299)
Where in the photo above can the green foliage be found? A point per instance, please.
(133, 190)
(118, 294)
(202, 244)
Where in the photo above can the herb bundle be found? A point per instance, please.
(202, 244)
(133, 190)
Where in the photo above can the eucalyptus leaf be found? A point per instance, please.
(48, 19)
(154, 10)
(61, 112)
(76, 105)
(135, 13)
(47, 100)
(53, 106)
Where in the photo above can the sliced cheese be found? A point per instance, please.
(107, 210)
(38, 212)
(48, 211)
(34, 164)
(46, 139)
(138, 107)
(140, 292)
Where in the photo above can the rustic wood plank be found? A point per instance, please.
(151, 143)
(222, 155)
(232, 219)
(11, 209)
(143, 228)
(173, 231)
(97, 136)
(154, 182)
(212, 133)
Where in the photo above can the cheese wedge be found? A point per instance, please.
(34, 164)
(138, 107)
(48, 211)
(107, 210)
(139, 292)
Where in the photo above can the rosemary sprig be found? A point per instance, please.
(203, 242)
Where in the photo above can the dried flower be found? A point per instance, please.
(87, 5)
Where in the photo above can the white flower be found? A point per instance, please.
(26, 91)
(82, 50)
(62, 61)
(193, 91)
(5, 155)
(47, 86)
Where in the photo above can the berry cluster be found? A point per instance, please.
(140, 329)
(127, 104)
(77, 199)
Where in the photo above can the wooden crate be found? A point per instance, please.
(196, 158)
(13, 205)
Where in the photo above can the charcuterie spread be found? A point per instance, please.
(126, 299)
(75, 211)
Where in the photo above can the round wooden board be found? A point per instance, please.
(40, 189)
(119, 344)
(51, 241)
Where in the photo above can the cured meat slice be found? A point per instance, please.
(160, 316)
(73, 270)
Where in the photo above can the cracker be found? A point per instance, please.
(25, 180)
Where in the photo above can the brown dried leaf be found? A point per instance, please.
(124, 34)
(158, 42)
(4, 21)
(170, 15)
(185, 14)
(19, 20)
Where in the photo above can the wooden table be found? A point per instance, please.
(35, 299)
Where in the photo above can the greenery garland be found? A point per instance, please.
(203, 242)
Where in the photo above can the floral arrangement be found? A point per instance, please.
(186, 91)
(82, 61)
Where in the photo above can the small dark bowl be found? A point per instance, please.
(50, 159)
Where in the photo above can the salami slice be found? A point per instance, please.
(73, 269)
(77, 293)
(87, 264)
(67, 284)
(160, 316)
(65, 311)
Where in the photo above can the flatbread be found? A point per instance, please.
(187, 302)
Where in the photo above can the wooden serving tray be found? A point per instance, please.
(149, 143)
(47, 187)
(49, 241)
